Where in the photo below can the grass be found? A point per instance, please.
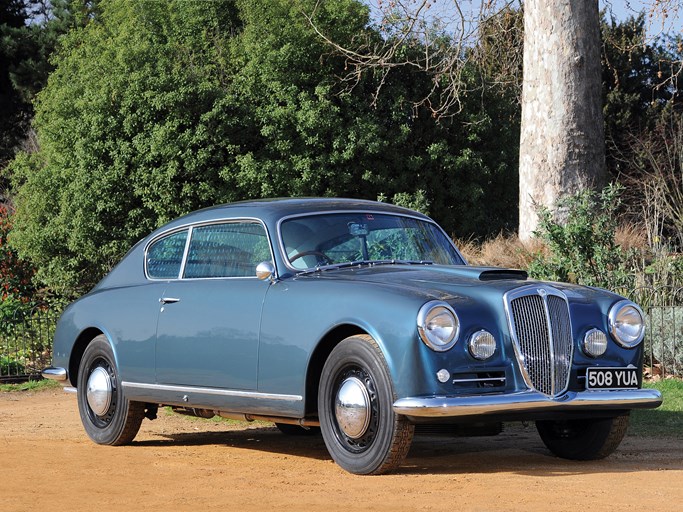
(32, 385)
(665, 421)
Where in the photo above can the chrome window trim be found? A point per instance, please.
(535, 289)
(283, 251)
(190, 226)
(213, 391)
(185, 252)
(157, 239)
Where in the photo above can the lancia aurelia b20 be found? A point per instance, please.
(356, 319)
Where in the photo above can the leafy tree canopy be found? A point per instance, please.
(159, 108)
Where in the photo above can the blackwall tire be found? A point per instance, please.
(107, 415)
(362, 432)
(584, 439)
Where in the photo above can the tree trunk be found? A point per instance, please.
(562, 146)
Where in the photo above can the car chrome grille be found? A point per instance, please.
(541, 329)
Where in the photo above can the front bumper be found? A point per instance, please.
(526, 402)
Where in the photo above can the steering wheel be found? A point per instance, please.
(325, 258)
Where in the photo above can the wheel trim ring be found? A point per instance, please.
(352, 408)
(99, 391)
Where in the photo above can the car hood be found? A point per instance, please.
(449, 282)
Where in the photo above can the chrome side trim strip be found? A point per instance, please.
(54, 373)
(212, 391)
(526, 401)
(483, 379)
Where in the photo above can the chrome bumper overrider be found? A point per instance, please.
(54, 373)
(526, 401)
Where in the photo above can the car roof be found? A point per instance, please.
(271, 210)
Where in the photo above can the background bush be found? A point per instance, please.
(156, 109)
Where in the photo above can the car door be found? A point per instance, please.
(209, 319)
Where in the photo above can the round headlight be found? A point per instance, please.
(482, 345)
(595, 343)
(438, 325)
(626, 324)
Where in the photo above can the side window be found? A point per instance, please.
(227, 250)
(165, 256)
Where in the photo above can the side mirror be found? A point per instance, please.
(265, 270)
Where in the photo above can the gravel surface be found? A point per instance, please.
(178, 463)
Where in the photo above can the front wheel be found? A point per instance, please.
(586, 439)
(107, 415)
(355, 404)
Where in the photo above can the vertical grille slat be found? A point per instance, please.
(541, 329)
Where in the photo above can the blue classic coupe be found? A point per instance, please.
(356, 319)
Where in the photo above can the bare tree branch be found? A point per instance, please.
(438, 38)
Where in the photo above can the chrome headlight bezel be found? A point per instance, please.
(618, 313)
(438, 339)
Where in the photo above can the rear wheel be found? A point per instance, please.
(586, 439)
(107, 415)
(355, 404)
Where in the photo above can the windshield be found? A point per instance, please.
(330, 239)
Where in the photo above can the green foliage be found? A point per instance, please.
(417, 201)
(580, 240)
(9, 366)
(10, 308)
(12, 17)
(30, 31)
(638, 76)
(123, 141)
(664, 340)
(26, 333)
(159, 108)
(15, 274)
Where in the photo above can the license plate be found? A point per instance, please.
(612, 378)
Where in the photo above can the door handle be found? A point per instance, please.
(168, 300)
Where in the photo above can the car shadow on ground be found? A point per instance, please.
(517, 450)
(266, 439)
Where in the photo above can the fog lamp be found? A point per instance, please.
(482, 345)
(595, 343)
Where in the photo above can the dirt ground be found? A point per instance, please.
(180, 463)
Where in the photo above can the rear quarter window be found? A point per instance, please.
(165, 256)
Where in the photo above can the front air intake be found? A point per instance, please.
(541, 331)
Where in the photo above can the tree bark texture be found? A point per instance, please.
(562, 146)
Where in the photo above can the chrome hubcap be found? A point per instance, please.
(99, 391)
(352, 408)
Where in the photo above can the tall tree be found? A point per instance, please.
(12, 17)
(562, 143)
(30, 31)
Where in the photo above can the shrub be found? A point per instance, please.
(664, 341)
(580, 240)
(15, 274)
(10, 366)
